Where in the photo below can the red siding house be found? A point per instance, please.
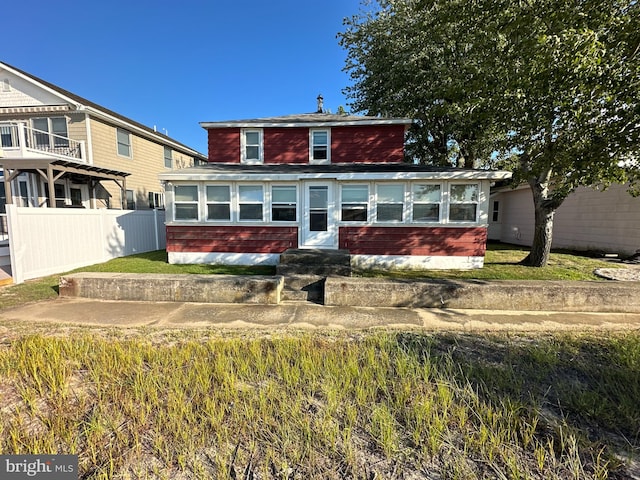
(323, 181)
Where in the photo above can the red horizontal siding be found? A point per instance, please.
(231, 239)
(367, 144)
(286, 145)
(224, 145)
(434, 241)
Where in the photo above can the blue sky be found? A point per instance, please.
(173, 64)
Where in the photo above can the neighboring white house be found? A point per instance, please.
(588, 220)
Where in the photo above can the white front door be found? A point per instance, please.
(319, 229)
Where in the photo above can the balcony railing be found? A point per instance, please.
(18, 140)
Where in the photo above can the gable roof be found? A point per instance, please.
(308, 120)
(82, 103)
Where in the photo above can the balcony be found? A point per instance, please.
(17, 140)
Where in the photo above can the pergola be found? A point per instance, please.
(51, 170)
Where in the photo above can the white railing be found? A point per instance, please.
(18, 137)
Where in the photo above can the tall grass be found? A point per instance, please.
(322, 406)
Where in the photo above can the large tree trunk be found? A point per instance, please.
(545, 209)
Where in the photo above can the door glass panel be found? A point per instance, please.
(318, 221)
(318, 213)
(318, 197)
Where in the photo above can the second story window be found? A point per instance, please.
(50, 133)
(319, 151)
(168, 158)
(124, 143)
(252, 148)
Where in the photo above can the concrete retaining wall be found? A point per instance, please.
(477, 294)
(173, 288)
(619, 297)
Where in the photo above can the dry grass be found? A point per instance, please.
(201, 404)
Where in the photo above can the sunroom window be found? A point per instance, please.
(250, 202)
(186, 202)
(218, 202)
(426, 202)
(463, 202)
(283, 203)
(355, 203)
(390, 203)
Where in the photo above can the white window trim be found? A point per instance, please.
(369, 208)
(404, 203)
(197, 202)
(230, 203)
(322, 161)
(265, 189)
(441, 203)
(271, 203)
(130, 143)
(243, 145)
(477, 203)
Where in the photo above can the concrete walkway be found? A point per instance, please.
(305, 315)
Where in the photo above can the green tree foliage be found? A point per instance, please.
(549, 88)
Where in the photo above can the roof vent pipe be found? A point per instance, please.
(320, 105)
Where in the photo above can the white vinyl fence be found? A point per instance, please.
(45, 241)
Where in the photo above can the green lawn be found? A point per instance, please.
(501, 262)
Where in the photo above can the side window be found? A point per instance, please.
(427, 199)
(168, 157)
(320, 146)
(355, 203)
(156, 200)
(124, 142)
(186, 202)
(283, 203)
(390, 203)
(131, 202)
(463, 202)
(252, 148)
(218, 202)
(496, 211)
(250, 202)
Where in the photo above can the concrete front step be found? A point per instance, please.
(297, 261)
(309, 288)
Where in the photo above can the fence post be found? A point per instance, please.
(13, 226)
(155, 228)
